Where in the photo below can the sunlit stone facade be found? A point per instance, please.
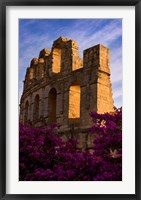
(61, 87)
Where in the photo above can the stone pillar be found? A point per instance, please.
(30, 108)
(97, 58)
(76, 60)
(85, 107)
(105, 101)
(41, 102)
(66, 109)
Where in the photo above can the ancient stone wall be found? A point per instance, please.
(61, 87)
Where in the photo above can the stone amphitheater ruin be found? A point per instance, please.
(61, 87)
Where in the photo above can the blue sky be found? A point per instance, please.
(36, 34)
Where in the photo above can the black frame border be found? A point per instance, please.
(3, 5)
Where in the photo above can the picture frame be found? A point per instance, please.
(4, 90)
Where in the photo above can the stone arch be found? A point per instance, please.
(26, 112)
(74, 102)
(52, 105)
(36, 108)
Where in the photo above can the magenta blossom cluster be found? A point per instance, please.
(43, 156)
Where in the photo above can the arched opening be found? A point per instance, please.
(74, 103)
(52, 105)
(56, 60)
(26, 112)
(36, 108)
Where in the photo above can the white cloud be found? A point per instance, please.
(105, 36)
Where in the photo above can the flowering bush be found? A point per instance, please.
(43, 156)
(108, 145)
